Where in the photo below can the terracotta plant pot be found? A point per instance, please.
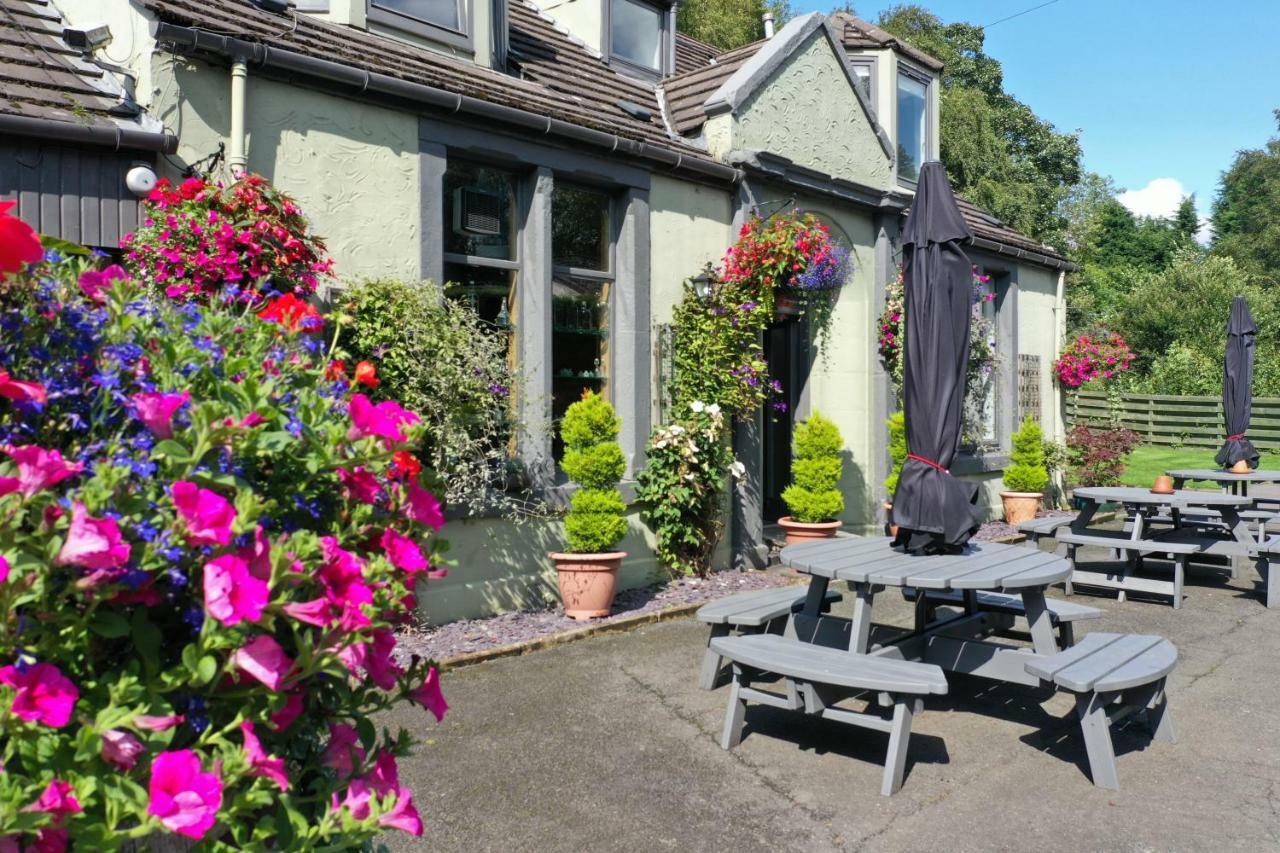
(1163, 485)
(888, 520)
(587, 582)
(1241, 467)
(799, 531)
(1020, 506)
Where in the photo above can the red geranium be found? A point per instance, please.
(19, 243)
(292, 313)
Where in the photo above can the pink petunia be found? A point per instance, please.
(429, 695)
(318, 612)
(43, 694)
(282, 719)
(4, 570)
(263, 659)
(421, 506)
(403, 552)
(57, 799)
(231, 593)
(360, 484)
(403, 815)
(157, 724)
(374, 658)
(94, 284)
(38, 469)
(121, 749)
(343, 751)
(93, 543)
(261, 764)
(383, 420)
(258, 555)
(156, 411)
(22, 392)
(382, 781)
(185, 799)
(343, 575)
(50, 839)
(208, 516)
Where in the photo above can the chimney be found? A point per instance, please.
(768, 25)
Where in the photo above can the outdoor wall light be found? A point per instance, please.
(141, 179)
(702, 287)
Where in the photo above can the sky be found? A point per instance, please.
(1164, 92)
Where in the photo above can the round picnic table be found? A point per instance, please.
(1236, 483)
(871, 564)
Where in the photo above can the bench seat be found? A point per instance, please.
(753, 612)
(816, 676)
(1120, 579)
(1112, 676)
(1043, 528)
(1061, 613)
(1122, 542)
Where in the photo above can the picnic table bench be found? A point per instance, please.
(753, 612)
(1062, 614)
(1042, 528)
(809, 672)
(1131, 552)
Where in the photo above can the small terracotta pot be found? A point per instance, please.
(888, 520)
(1020, 506)
(1163, 485)
(1241, 467)
(587, 582)
(799, 531)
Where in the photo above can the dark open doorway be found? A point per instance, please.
(787, 352)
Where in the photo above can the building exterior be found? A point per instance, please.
(611, 158)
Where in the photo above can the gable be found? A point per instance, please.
(809, 111)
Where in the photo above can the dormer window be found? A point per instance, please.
(913, 122)
(638, 35)
(442, 20)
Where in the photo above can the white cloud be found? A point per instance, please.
(1160, 198)
(1204, 234)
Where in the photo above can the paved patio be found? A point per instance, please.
(608, 744)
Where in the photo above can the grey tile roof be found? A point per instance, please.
(42, 78)
(692, 54)
(987, 226)
(857, 33)
(686, 93)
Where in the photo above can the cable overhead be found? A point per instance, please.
(1018, 14)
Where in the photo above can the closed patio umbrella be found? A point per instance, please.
(934, 511)
(1237, 386)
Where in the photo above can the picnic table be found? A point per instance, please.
(1237, 484)
(958, 644)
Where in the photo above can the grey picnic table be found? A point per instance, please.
(1228, 480)
(958, 644)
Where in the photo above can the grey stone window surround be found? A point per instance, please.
(668, 59)
(461, 38)
(539, 166)
(930, 119)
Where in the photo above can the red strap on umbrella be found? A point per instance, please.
(1235, 437)
(928, 462)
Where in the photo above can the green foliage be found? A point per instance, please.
(1246, 213)
(441, 360)
(717, 356)
(1097, 453)
(729, 23)
(816, 467)
(595, 522)
(1027, 471)
(897, 424)
(998, 153)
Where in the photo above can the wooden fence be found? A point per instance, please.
(1191, 421)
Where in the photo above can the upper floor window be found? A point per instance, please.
(430, 18)
(638, 32)
(913, 124)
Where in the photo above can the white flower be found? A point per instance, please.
(738, 470)
(714, 408)
(698, 407)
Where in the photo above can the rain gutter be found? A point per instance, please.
(115, 138)
(1023, 254)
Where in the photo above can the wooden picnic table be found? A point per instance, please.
(1237, 484)
(959, 644)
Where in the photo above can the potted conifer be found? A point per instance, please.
(587, 571)
(813, 496)
(1026, 476)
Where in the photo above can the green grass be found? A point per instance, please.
(1143, 465)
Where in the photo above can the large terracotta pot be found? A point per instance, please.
(1020, 506)
(799, 531)
(587, 582)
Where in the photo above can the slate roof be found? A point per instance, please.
(686, 93)
(857, 33)
(987, 226)
(556, 75)
(692, 54)
(42, 78)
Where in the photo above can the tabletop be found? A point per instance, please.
(981, 566)
(1219, 475)
(1179, 497)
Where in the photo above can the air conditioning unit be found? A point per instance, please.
(477, 212)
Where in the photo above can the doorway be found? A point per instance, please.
(786, 349)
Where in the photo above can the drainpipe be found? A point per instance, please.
(238, 157)
(768, 25)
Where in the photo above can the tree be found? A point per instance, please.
(997, 151)
(1081, 206)
(729, 23)
(1186, 222)
(1246, 214)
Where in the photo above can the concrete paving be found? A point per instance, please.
(608, 744)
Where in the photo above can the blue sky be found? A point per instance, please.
(1162, 91)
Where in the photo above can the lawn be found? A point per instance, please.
(1143, 465)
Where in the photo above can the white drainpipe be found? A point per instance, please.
(238, 157)
(768, 25)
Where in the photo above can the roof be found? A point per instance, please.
(986, 226)
(558, 76)
(42, 78)
(686, 93)
(857, 33)
(692, 54)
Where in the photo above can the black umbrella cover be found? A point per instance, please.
(935, 512)
(1237, 386)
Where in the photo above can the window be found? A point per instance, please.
(637, 33)
(430, 18)
(913, 101)
(480, 241)
(582, 262)
(862, 71)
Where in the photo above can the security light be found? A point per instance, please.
(87, 39)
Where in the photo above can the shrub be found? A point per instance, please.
(439, 358)
(595, 522)
(1027, 471)
(897, 424)
(1097, 454)
(203, 237)
(205, 547)
(816, 467)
